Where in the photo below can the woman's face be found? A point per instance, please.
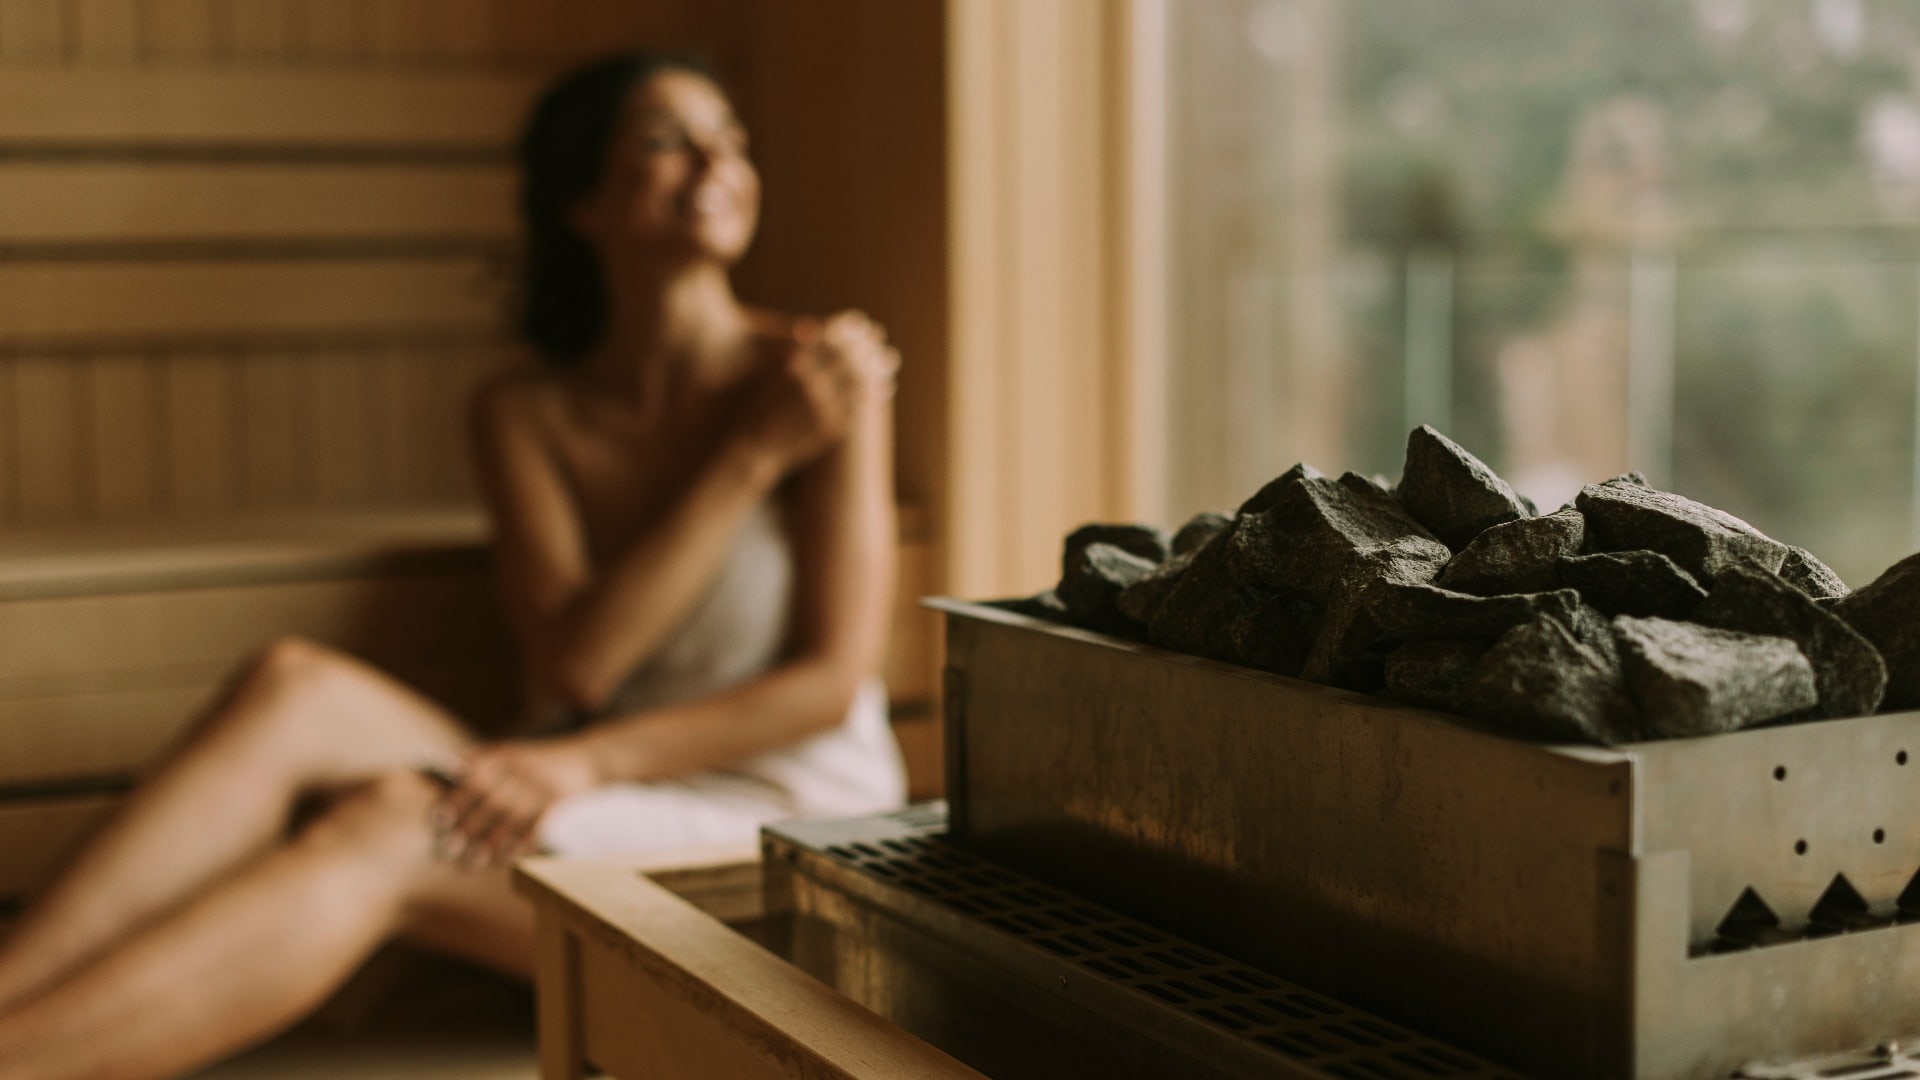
(677, 179)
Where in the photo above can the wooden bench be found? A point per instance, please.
(674, 966)
(112, 641)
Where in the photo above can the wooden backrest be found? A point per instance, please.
(253, 254)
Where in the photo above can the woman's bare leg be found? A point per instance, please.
(263, 948)
(300, 718)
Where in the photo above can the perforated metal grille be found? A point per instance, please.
(1297, 1025)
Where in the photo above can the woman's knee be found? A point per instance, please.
(293, 662)
(273, 682)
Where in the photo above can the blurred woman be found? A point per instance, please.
(694, 539)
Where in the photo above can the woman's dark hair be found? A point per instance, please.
(562, 153)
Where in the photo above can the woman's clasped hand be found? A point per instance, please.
(498, 794)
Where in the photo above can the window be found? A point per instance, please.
(1582, 238)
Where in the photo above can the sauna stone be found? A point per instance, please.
(1644, 583)
(1203, 602)
(1199, 531)
(1140, 601)
(1810, 575)
(1419, 612)
(1696, 680)
(1432, 673)
(1276, 633)
(1330, 542)
(1260, 500)
(1887, 613)
(1322, 538)
(1847, 669)
(1092, 585)
(1516, 557)
(1141, 541)
(1626, 516)
(1452, 492)
(1541, 680)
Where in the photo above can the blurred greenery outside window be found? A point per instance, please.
(1679, 236)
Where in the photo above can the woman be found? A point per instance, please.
(694, 536)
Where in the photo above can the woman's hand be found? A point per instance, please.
(500, 794)
(801, 406)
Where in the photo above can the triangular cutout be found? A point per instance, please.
(1749, 922)
(1909, 902)
(1839, 909)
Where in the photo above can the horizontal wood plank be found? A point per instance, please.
(414, 619)
(156, 555)
(59, 303)
(37, 837)
(303, 107)
(121, 203)
(116, 733)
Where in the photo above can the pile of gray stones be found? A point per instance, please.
(1629, 614)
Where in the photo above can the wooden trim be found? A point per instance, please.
(89, 561)
(51, 303)
(252, 107)
(122, 203)
(1034, 351)
(557, 984)
(1139, 289)
(646, 953)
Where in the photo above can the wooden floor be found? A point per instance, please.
(407, 1018)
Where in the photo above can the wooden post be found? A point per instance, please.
(557, 984)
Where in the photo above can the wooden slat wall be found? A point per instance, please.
(1039, 408)
(251, 253)
(242, 178)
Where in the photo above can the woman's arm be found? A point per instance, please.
(844, 536)
(843, 533)
(582, 635)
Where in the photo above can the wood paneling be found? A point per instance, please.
(180, 31)
(328, 31)
(847, 106)
(124, 452)
(65, 302)
(912, 669)
(106, 733)
(259, 30)
(201, 407)
(1032, 440)
(31, 30)
(121, 203)
(68, 641)
(284, 107)
(105, 31)
(50, 428)
(37, 836)
(275, 468)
